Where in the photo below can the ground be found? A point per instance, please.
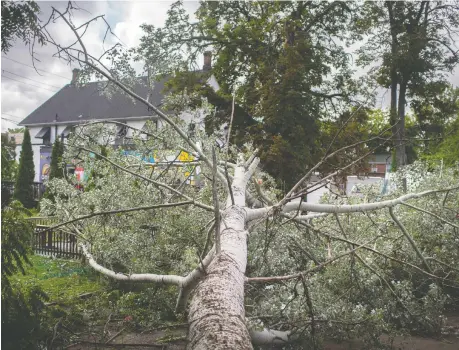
(91, 318)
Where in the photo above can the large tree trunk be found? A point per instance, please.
(393, 76)
(217, 310)
(401, 151)
(393, 106)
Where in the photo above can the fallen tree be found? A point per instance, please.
(250, 266)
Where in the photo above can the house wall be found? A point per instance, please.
(353, 182)
(36, 145)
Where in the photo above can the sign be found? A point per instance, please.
(185, 157)
(45, 161)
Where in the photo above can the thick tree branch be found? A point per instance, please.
(191, 280)
(143, 277)
(408, 237)
(216, 203)
(253, 214)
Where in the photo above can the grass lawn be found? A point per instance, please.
(62, 280)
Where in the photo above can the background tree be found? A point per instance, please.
(26, 173)
(280, 59)
(8, 158)
(416, 44)
(56, 169)
(447, 151)
(435, 108)
(20, 21)
(9, 167)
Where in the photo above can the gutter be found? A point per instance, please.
(80, 121)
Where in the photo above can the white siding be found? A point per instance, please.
(353, 182)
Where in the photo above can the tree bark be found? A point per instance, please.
(393, 75)
(401, 150)
(217, 310)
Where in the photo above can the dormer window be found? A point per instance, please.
(121, 131)
(45, 134)
(120, 136)
(66, 132)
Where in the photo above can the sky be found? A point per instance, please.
(24, 89)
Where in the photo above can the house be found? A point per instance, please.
(75, 104)
(379, 164)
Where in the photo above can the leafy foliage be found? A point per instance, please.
(447, 149)
(417, 52)
(57, 167)
(8, 158)
(21, 307)
(278, 58)
(379, 289)
(20, 21)
(364, 294)
(26, 173)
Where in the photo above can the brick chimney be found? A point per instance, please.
(207, 61)
(75, 73)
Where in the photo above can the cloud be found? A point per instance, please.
(20, 97)
(30, 88)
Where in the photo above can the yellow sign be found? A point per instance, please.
(185, 157)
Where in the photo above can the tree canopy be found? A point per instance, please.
(20, 21)
(280, 59)
(416, 44)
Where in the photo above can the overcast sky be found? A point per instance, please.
(24, 90)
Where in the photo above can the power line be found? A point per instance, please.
(41, 70)
(10, 120)
(7, 71)
(4, 76)
(14, 116)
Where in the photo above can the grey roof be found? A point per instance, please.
(90, 103)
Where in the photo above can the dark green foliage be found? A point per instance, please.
(8, 155)
(26, 173)
(57, 167)
(448, 149)
(21, 308)
(20, 21)
(9, 167)
(56, 170)
(417, 52)
(274, 56)
(16, 240)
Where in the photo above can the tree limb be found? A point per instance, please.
(253, 214)
(408, 237)
(142, 277)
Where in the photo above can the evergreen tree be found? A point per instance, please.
(26, 173)
(56, 168)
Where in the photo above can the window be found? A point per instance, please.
(191, 130)
(45, 135)
(121, 131)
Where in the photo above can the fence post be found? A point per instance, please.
(50, 239)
